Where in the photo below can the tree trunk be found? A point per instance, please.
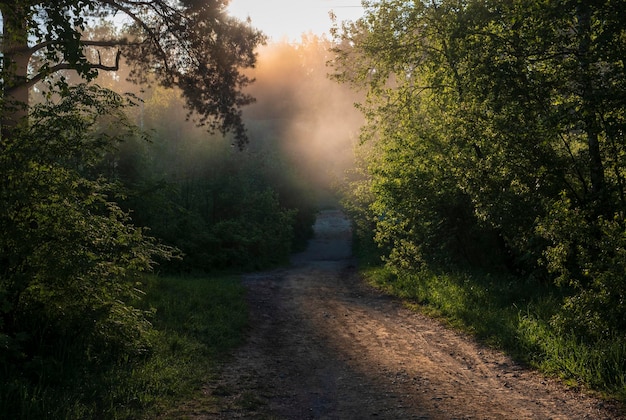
(15, 69)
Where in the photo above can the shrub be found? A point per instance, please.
(70, 257)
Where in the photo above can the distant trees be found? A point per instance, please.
(193, 45)
(497, 131)
(224, 208)
(229, 209)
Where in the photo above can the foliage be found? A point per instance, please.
(481, 117)
(196, 321)
(70, 257)
(495, 138)
(192, 45)
(78, 338)
(588, 255)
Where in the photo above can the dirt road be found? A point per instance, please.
(325, 346)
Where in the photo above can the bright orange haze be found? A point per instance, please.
(314, 117)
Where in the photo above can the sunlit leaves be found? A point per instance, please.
(504, 108)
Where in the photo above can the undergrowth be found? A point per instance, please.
(196, 321)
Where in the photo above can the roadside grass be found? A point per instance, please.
(199, 320)
(513, 315)
(196, 320)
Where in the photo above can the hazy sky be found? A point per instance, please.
(291, 18)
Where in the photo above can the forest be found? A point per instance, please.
(477, 145)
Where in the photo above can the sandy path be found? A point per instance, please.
(325, 346)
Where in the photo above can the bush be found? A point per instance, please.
(588, 256)
(70, 257)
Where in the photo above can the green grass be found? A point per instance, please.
(513, 315)
(196, 322)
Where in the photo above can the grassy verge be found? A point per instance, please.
(513, 315)
(199, 320)
(196, 321)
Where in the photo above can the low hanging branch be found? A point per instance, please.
(192, 45)
(68, 66)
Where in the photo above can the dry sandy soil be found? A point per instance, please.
(325, 346)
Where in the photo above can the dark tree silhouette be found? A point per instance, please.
(190, 44)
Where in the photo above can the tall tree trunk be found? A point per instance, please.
(15, 68)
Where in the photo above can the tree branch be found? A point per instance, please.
(87, 43)
(66, 66)
(141, 23)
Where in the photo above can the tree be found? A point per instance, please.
(190, 44)
(423, 127)
(516, 109)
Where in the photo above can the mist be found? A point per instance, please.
(223, 207)
(310, 118)
(300, 116)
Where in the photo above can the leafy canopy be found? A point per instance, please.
(192, 45)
